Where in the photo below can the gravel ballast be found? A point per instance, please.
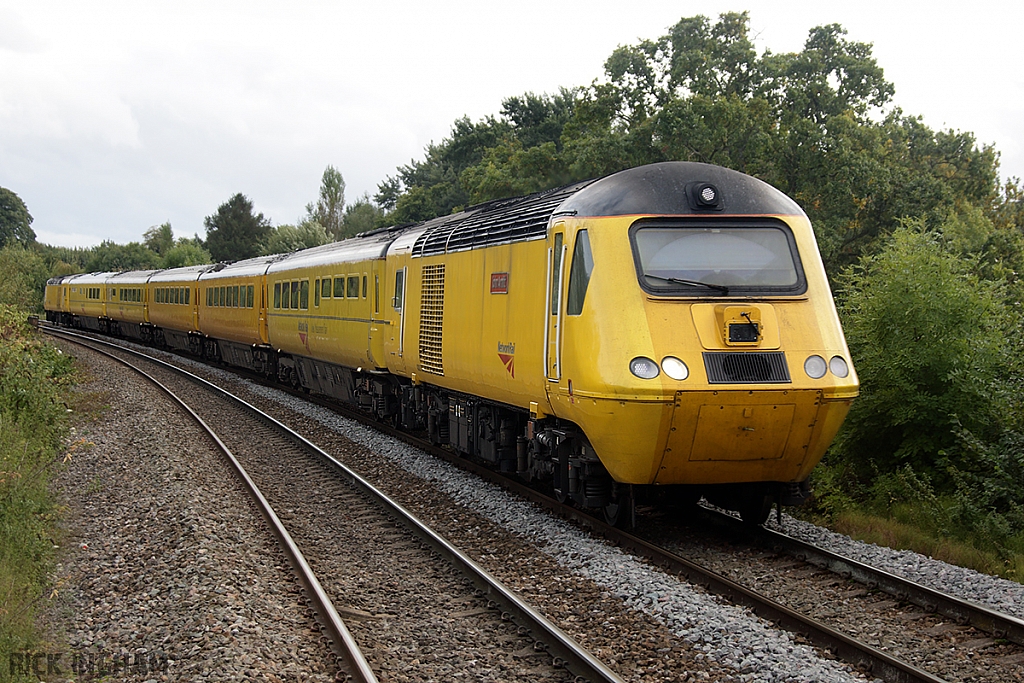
(726, 643)
(166, 570)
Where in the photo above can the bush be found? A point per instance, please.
(33, 425)
(24, 277)
(930, 344)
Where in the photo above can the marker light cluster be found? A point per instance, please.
(645, 368)
(816, 367)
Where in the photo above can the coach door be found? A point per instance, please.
(554, 305)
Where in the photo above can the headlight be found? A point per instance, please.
(838, 366)
(675, 368)
(815, 367)
(644, 368)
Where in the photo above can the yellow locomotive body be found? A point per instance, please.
(549, 323)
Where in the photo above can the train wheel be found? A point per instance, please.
(754, 510)
(620, 512)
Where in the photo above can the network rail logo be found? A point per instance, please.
(44, 665)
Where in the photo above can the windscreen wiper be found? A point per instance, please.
(690, 283)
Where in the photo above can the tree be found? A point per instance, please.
(362, 216)
(234, 233)
(285, 239)
(15, 220)
(330, 207)
(159, 238)
(186, 252)
(110, 257)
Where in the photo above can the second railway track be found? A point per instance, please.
(415, 618)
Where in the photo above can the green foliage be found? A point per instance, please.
(808, 122)
(110, 257)
(288, 238)
(234, 232)
(33, 425)
(24, 277)
(929, 339)
(159, 238)
(186, 252)
(329, 211)
(362, 216)
(15, 220)
(429, 188)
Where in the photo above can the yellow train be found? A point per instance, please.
(667, 330)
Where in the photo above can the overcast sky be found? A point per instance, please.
(117, 116)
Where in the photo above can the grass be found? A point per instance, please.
(892, 533)
(902, 510)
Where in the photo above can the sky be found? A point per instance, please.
(118, 116)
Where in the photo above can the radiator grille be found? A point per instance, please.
(751, 367)
(432, 319)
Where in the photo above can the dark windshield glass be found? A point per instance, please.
(716, 259)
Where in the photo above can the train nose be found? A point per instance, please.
(729, 432)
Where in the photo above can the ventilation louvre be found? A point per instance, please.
(432, 319)
(498, 222)
(750, 367)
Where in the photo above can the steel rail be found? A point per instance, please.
(983, 618)
(560, 645)
(848, 649)
(341, 639)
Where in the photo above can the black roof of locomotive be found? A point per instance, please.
(655, 189)
(662, 189)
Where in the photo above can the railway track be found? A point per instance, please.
(863, 655)
(295, 471)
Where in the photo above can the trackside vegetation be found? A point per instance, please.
(34, 379)
(922, 239)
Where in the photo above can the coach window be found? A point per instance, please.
(295, 294)
(234, 296)
(376, 294)
(325, 288)
(353, 287)
(316, 293)
(277, 295)
(339, 287)
(304, 295)
(188, 292)
(249, 289)
(364, 286)
(579, 273)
